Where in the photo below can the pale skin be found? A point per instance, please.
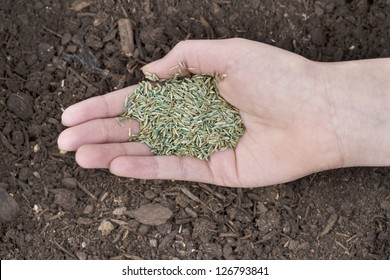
(301, 117)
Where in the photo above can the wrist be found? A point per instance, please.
(359, 107)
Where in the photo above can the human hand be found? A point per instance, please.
(282, 98)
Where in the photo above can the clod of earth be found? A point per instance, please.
(9, 208)
(21, 104)
(183, 116)
(65, 198)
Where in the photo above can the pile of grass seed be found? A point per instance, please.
(184, 117)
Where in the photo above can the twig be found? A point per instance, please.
(353, 237)
(342, 246)
(7, 144)
(132, 257)
(64, 250)
(195, 198)
(51, 31)
(84, 81)
(84, 189)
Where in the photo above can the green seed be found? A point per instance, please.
(183, 116)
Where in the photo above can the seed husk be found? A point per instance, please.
(183, 116)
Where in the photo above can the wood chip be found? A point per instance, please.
(119, 211)
(331, 222)
(84, 221)
(119, 222)
(78, 5)
(81, 255)
(127, 36)
(132, 257)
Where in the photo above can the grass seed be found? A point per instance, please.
(183, 116)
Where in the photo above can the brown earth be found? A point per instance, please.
(56, 53)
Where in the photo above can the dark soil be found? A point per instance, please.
(54, 54)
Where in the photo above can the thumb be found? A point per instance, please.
(199, 56)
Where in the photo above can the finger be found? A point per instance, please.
(97, 132)
(162, 167)
(101, 155)
(98, 107)
(200, 56)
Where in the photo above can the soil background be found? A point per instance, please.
(55, 53)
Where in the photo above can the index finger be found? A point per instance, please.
(98, 107)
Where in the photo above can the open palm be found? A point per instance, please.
(285, 111)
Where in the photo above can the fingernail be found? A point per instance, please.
(149, 65)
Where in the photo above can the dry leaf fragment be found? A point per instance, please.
(152, 214)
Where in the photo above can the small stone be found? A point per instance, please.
(105, 227)
(21, 104)
(9, 208)
(152, 214)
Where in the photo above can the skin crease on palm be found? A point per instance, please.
(300, 118)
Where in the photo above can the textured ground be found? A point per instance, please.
(56, 53)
